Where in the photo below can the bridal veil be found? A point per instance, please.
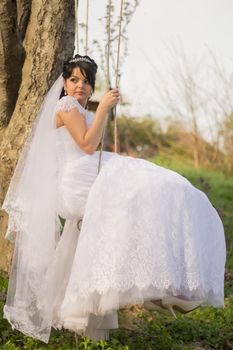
(33, 221)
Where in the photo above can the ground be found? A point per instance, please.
(206, 328)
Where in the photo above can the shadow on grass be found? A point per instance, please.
(205, 328)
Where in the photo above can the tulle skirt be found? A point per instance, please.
(146, 233)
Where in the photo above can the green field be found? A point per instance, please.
(205, 328)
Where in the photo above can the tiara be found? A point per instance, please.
(80, 59)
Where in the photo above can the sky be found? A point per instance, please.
(194, 27)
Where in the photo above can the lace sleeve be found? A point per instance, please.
(66, 103)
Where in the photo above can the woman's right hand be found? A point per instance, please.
(109, 99)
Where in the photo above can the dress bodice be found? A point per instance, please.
(67, 149)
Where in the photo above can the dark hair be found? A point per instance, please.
(87, 66)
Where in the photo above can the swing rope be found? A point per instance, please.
(108, 77)
(108, 63)
(108, 80)
(87, 22)
(117, 75)
(108, 70)
(109, 44)
(76, 37)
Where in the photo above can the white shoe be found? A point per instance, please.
(182, 305)
(156, 305)
(169, 303)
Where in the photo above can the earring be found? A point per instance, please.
(65, 92)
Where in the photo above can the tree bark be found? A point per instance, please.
(11, 59)
(46, 36)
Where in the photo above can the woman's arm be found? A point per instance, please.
(88, 139)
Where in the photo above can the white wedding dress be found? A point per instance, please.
(146, 233)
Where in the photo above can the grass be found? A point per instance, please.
(206, 328)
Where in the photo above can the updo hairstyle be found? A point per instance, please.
(87, 66)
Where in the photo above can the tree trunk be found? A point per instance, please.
(36, 36)
(11, 59)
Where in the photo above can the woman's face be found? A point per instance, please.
(78, 86)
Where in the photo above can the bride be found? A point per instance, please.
(147, 235)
